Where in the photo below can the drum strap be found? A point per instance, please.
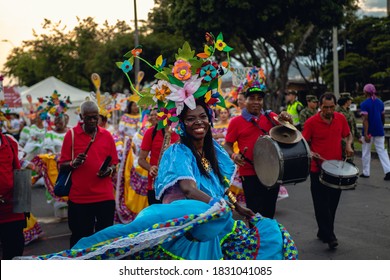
(266, 114)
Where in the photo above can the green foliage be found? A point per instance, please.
(367, 58)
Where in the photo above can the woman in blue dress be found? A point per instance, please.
(195, 219)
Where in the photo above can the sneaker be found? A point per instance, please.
(364, 176)
(387, 177)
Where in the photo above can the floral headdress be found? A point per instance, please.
(54, 106)
(189, 78)
(105, 101)
(254, 78)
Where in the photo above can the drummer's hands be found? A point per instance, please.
(238, 159)
(315, 155)
(349, 151)
(284, 116)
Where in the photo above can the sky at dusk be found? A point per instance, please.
(20, 17)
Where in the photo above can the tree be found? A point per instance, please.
(367, 55)
(282, 28)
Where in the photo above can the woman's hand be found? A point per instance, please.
(153, 171)
(243, 211)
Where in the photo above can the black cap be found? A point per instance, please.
(254, 90)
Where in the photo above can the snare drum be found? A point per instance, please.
(280, 163)
(339, 174)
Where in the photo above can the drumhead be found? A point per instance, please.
(266, 158)
(339, 168)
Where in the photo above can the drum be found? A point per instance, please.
(281, 163)
(339, 174)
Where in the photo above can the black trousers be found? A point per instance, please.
(12, 239)
(151, 194)
(259, 198)
(325, 201)
(86, 219)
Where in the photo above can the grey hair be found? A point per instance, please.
(88, 106)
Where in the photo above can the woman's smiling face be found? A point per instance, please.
(197, 122)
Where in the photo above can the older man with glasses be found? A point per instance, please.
(91, 203)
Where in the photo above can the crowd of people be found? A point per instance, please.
(169, 191)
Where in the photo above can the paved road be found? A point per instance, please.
(362, 222)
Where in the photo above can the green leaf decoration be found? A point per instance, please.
(160, 104)
(146, 100)
(160, 125)
(227, 49)
(201, 91)
(214, 84)
(128, 54)
(195, 64)
(221, 101)
(220, 36)
(119, 64)
(174, 119)
(171, 104)
(175, 81)
(162, 76)
(185, 52)
(131, 60)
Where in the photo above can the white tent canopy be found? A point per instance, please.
(48, 86)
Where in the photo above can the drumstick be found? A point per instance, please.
(243, 153)
(244, 157)
(316, 155)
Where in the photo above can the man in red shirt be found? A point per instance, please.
(11, 224)
(152, 143)
(246, 129)
(91, 202)
(324, 132)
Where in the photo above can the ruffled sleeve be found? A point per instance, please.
(177, 163)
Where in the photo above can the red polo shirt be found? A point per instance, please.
(87, 187)
(246, 134)
(154, 146)
(324, 138)
(8, 162)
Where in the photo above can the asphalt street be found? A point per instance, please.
(362, 221)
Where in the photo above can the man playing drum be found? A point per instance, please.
(324, 132)
(246, 129)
